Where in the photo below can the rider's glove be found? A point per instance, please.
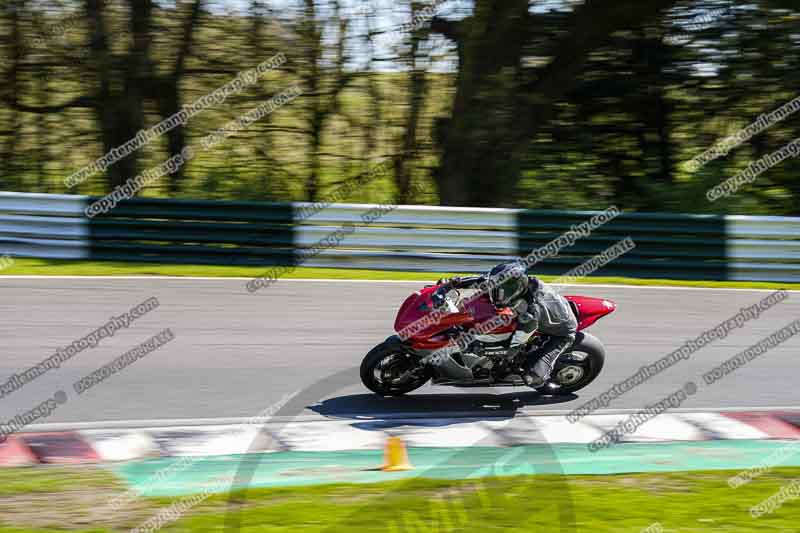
(438, 300)
(438, 296)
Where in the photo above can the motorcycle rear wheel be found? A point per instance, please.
(383, 367)
(578, 367)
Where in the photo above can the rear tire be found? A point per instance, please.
(578, 367)
(388, 361)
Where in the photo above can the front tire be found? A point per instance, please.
(385, 365)
(578, 367)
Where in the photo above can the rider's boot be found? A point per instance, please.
(518, 341)
(538, 373)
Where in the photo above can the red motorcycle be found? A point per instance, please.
(463, 343)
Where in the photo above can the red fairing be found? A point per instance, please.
(420, 304)
(590, 310)
(414, 308)
(476, 311)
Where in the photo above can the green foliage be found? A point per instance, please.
(648, 98)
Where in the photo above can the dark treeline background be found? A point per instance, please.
(507, 103)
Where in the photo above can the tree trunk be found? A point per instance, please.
(496, 114)
(169, 97)
(477, 166)
(324, 103)
(124, 84)
(312, 183)
(416, 97)
(8, 178)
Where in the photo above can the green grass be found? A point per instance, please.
(45, 267)
(685, 502)
(52, 479)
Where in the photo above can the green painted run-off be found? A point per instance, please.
(306, 468)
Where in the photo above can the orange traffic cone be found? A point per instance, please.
(395, 456)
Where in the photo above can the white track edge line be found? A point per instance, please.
(175, 422)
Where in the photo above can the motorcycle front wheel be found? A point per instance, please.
(388, 370)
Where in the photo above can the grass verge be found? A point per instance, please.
(55, 267)
(76, 499)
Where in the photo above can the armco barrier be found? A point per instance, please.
(419, 238)
(43, 225)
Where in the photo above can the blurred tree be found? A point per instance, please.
(416, 96)
(167, 90)
(123, 81)
(324, 79)
(499, 105)
(516, 103)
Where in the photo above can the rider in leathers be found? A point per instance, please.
(538, 307)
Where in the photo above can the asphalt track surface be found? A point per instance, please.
(236, 353)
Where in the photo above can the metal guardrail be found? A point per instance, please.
(49, 226)
(421, 238)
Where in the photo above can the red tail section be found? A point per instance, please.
(590, 310)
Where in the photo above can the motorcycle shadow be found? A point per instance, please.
(431, 409)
